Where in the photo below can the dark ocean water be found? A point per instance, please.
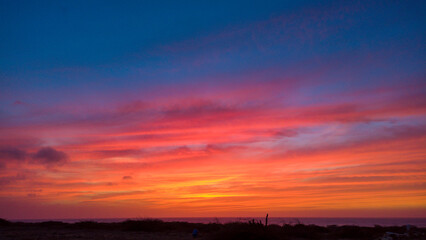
(419, 222)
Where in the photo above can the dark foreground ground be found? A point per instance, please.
(157, 229)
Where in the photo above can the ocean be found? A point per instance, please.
(368, 222)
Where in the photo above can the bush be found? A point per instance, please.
(146, 225)
(4, 222)
(249, 231)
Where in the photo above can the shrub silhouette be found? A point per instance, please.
(146, 225)
(4, 222)
(251, 230)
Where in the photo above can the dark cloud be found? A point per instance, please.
(49, 156)
(12, 154)
(127, 177)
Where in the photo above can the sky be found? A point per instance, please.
(212, 109)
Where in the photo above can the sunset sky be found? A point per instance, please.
(212, 109)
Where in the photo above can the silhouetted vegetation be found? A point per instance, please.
(4, 222)
(251, 230)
